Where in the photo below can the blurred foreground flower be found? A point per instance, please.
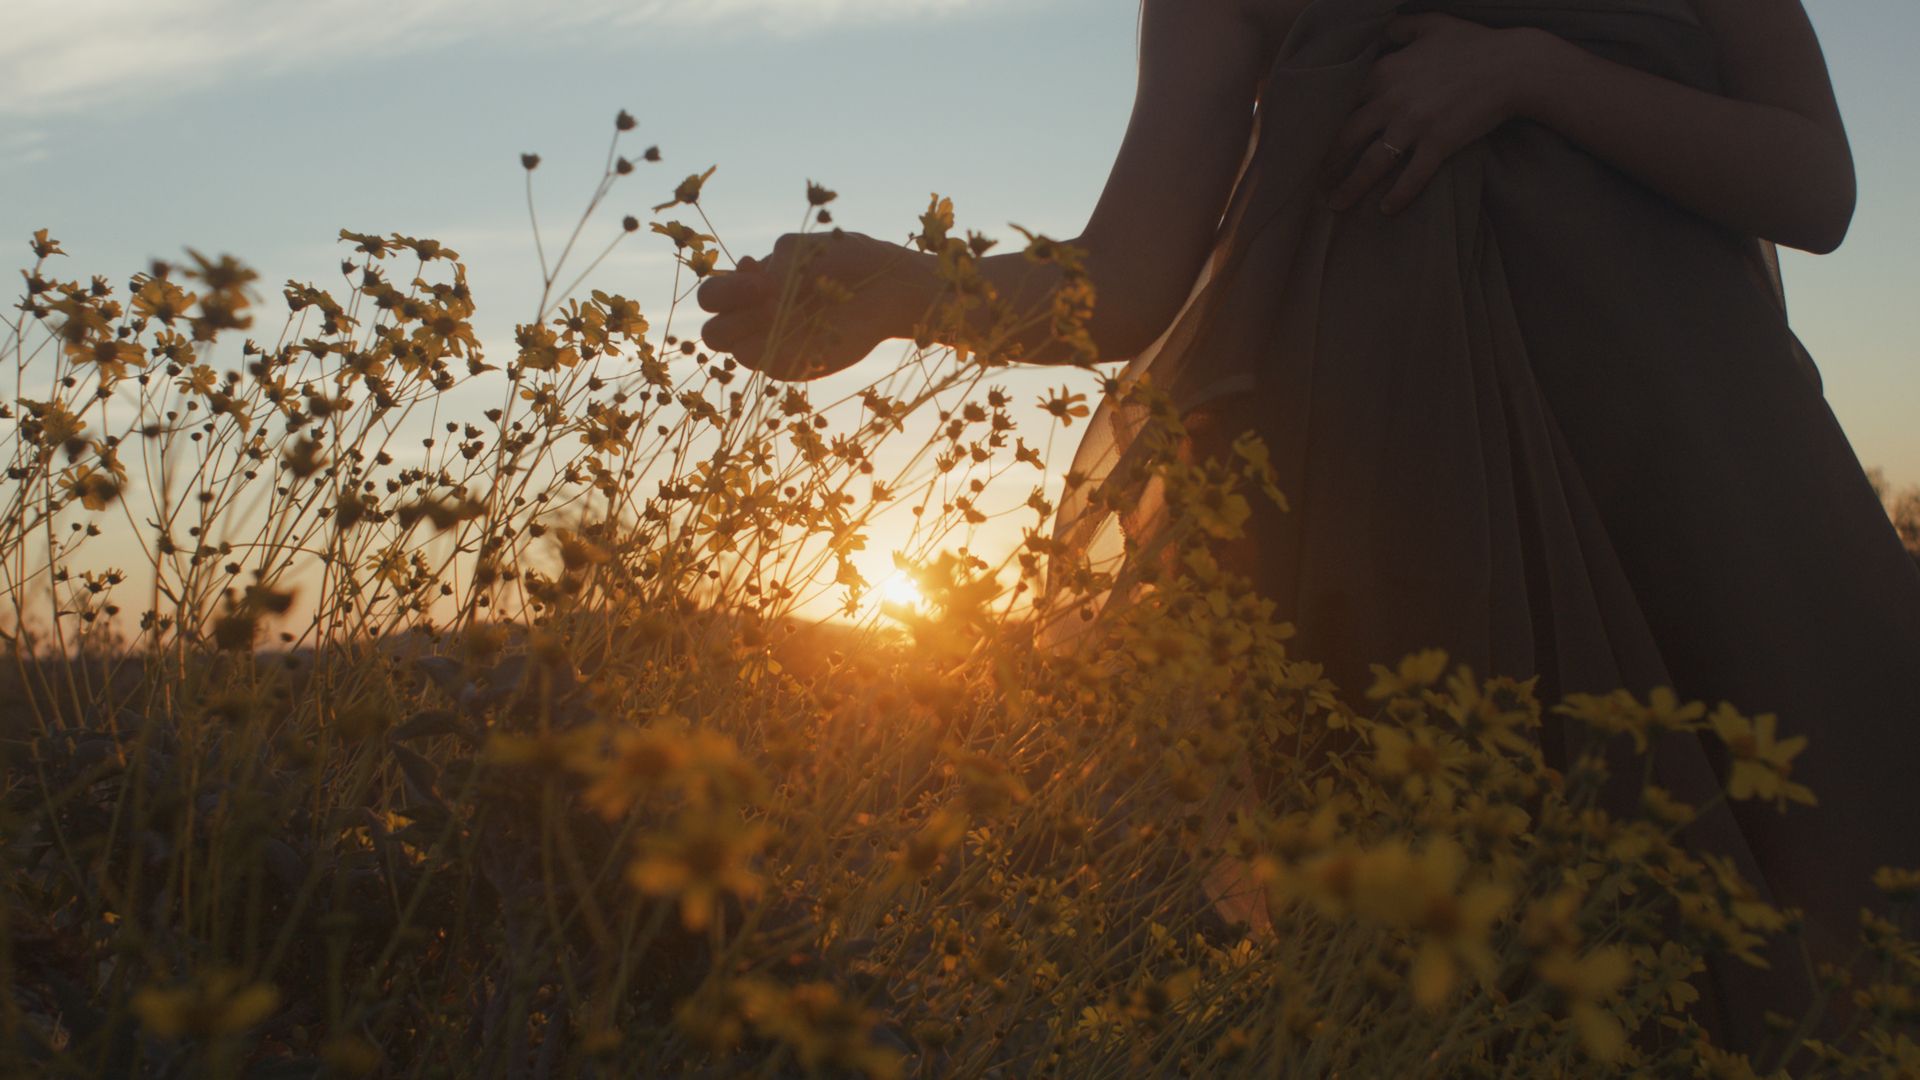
(213, 1003)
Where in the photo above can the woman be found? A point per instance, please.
(1494, 280)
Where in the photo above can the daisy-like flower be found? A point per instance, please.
(218, 1002)
(1416, 670)
(1665, 712)
(1897, 883)
(706, 857)
(1617, 713)
(1499, 717)
(1589, 981)
(1425, 891)
(643, 760)
(1425, 760)
(1762, 762)
(825, 1031)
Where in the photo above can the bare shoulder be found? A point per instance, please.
(1770, 55)
(1212, 49)
(1263, 23)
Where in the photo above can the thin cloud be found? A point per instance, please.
(23, 147)
(85, 53)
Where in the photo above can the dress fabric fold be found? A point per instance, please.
(1554, 423)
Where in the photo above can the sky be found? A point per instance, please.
(134, 129)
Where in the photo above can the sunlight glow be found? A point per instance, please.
(898, 589)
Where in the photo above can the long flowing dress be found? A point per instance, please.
(1549, 420)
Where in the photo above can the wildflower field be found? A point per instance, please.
(346, 733)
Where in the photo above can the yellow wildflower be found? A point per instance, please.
(1734, 912)
(1419, 891)
(548, 752)
(1617, 713)
(1498, 718)
(1666, 713)
(1065, 405)
(717, 774)
(1673, 964)
(1662, 806)
(1259, 467)
(1899, 884)
(95, 490)
(643, 759)
(688, 193)
(1416, 670)
(1212, 503)
(161, 299)
(1762, 763)
(1590, 981)
(824, 1030)
(1900, 1055)
(217, 1002)
(1553, 921)
(987, 785)
(1424, 760)
(705, 856)
(924, 849)
(350, 1056)
(1718, 1064)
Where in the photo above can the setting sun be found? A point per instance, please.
(898, 589)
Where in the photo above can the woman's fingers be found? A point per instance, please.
(712, 293)
(796, 316)
(739, 288)
(741, 332)
(1362, 128)
(1376, 163)
(1413, 115)
(1419, 172)
(749, 336)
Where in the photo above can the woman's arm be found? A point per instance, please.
(1770, 158)
(1201, 66)
(1149, 234)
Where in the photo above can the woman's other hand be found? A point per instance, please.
(818, 304)
(1448, 84)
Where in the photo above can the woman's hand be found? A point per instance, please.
(1449, 83)
(818, 304)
